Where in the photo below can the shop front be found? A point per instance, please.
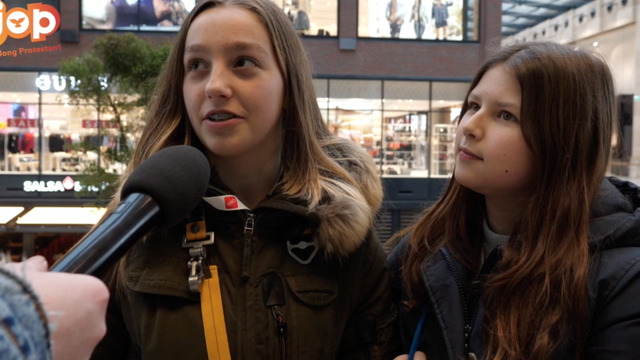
(407, 127)
(43, 214)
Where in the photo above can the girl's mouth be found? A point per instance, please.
(220, 117)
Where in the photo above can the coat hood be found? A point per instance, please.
(346, 220)
(340, 222)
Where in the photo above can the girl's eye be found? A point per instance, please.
(473, 106)
(245, 62)
(194, 65)
(504, 115)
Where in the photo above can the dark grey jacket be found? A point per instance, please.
(614, 288)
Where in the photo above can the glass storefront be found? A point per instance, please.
(315, 18)
(446, 20)
(402, 124)
(40, 132)
(406, 126)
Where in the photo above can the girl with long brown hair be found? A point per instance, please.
(531, 252)
(292, 267)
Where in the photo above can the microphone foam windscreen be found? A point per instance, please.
(176, 177)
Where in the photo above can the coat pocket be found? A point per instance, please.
(315, 317)
(313, 290)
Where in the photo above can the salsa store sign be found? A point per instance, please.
(53, 186)
(36, 20)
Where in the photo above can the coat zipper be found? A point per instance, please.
(468, 319)
(248, 235)
(463, 297)
(470, 314)
(281, 331)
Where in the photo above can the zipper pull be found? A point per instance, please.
(246, 254)
(467, 337)
(249, 224)
(281, 325)
(281, 331)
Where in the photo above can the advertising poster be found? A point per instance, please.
(414, 19)
(146, 15)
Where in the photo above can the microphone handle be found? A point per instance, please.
(134, 217)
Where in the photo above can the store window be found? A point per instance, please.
(354, 110)
(446, 20)
(446, 104)
(19, 123)
(310, 18)
(404, 128)
(40, 132)
(408, 127)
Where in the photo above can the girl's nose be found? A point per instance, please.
(472, 125)
(217, 85)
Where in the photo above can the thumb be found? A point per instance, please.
(419, 355)
(36, 263)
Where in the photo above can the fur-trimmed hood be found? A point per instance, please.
(346, 220)
(342, 220)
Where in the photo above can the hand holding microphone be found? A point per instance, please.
(158, 193)
(71, 307)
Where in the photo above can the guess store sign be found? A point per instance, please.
(104, 124)
(22, 123)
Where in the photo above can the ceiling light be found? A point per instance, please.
(9, 212)
(62, 216)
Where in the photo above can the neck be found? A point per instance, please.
(251, 181)
(504, 214)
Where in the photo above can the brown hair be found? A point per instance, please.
(306, 139)
(315, 163)
(567, 118)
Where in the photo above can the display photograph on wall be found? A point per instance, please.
(307, 17)
(149, 15)
(412, 19)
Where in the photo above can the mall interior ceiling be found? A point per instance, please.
(518, 15)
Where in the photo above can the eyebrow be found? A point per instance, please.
(237, 46)
(508, 105)
(502, 104)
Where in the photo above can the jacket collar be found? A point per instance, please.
(615, 215)
(339, 225)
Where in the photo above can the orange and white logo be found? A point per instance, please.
(230, 202)
(226, 203)
(38, 20)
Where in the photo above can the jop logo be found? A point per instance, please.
(38, 20)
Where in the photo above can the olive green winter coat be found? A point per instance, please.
(313, 270)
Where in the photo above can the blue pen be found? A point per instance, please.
(417, 334)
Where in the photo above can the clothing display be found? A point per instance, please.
(2, 146)
(56, 143)
(13, 141)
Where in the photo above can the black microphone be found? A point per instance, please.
(158, 193)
